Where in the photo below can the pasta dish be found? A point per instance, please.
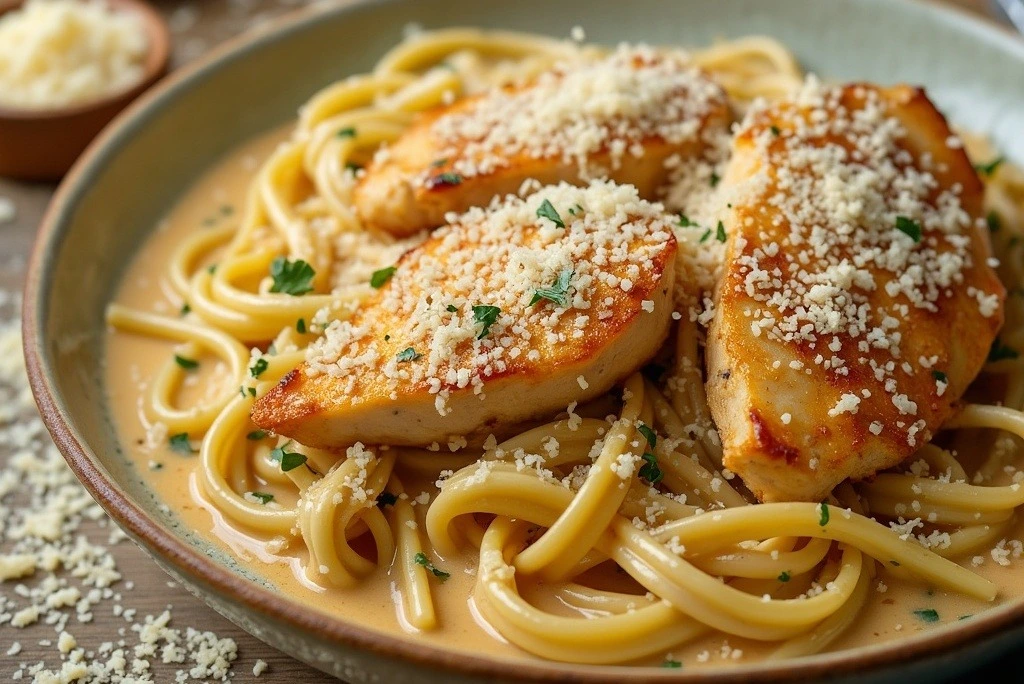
(597, 355)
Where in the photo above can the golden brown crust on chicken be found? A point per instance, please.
(647, 108)
(420, 363)
(857, 303)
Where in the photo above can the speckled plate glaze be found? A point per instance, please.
(134, 172)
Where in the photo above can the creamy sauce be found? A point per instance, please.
(132, 360)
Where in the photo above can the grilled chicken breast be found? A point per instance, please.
(858, 299)
(509, 313)
(628, 117)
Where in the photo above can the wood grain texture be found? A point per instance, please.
(196, 27)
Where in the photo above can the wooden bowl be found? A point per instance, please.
(42, 144)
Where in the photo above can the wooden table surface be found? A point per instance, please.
(196, 25)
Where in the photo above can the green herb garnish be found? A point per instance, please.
(557, 293)
(289, 460)
(824, 514)
(257, 435)
(775, 131)
(211, 269)
(446, 178)
(940, 377)
(300, 326)
(185, 308)
(685, 222)
(720, 232)
(382, 276)
(185, 362)
(348, 132)
(990, 168)
(263, 497)
(547, 210)
(437, 163)
(650, 470)
(999, 351)
(927, 614)
(649, 434)
(257, 368)
(421, 559)
(706, 235)
(291, 277)
(486, 316)
(181, 444)
(909, 227)
(672, 664)
(407, 354)
(993, 221)
(714, 179)
(451, 308)
(784, 576)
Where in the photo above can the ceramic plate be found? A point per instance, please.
(136, 170)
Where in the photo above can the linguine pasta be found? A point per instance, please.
(615, 573)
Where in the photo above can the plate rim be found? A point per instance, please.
(203, 570)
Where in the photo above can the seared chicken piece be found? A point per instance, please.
(858, 302)
(509, 313)
(629, 117)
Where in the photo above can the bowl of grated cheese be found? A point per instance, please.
(67, 67)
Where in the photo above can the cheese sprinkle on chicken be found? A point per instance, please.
(490, 322)
(622, 117)
(857, 299)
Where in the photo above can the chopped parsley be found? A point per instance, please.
(990, 168)
(185, 362)
(300, 326)
(909, 227)
(927, 614)
(185, 308)
(486, 316)
(649, 434)
(348, 132)
(421, 559)
(650, 470)
(289, 460)
(407, 354)
(211, 269)
(252, 391)
(672, 664)
(181, 444)
(993, 221)
(387, 337)
(685, 222)
(262, 496)
(784, 576)
(547, 210)
(575, 210)
(257, 435)
(291, 277)
(706, 235)
(385, 499)
(446, 178)
(451, 308)
(257, 368)
(557, 293)
(720, 232)
(824, 514)
(437, 163)
(775, 131)
(940, 377)
(999, 351)
(382, 276)
(714, 179)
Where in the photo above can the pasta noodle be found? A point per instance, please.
(692, 557)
